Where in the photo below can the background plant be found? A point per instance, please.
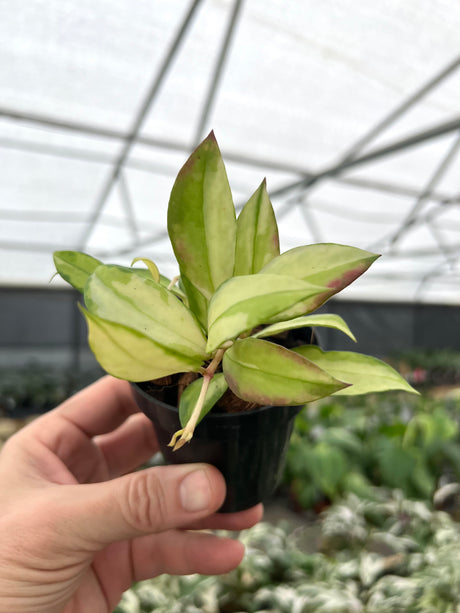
(428, 367)
(35, 388)
(348, 445)
(376, 556)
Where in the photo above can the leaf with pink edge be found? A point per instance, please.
(365, 373)
(268, 374)
(257, 240)
(202, 224)
(327, 264)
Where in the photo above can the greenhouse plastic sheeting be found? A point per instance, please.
(350, 109)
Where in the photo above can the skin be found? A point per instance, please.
(78, 527)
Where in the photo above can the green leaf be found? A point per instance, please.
(431, 430)
(397, 465)
(365, 373)
(268, 374)
(242, 303)
(216, 390)
(327, 264)
(358, 484)
(328, 466)
(322, 321)
(197, 303)
(164, 281)
(201, 223)
(257, 240)
(123, 296)
(75, 267)
(152, 267)
(127, 354)
(345, 440)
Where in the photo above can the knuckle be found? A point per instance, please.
(145, 503)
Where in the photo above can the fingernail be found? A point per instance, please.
(195, 492)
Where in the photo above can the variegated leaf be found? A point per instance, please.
(123, 296)
(268, 374)
(326, 320)
(327, 264)
(244, 302)
(202, 225)
(75, 267)
(128, 354)
(365, 373)
(257, 240)
(197, 302)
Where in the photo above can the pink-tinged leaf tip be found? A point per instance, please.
(349, 276)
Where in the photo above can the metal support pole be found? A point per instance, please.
(128, 207)
(439, 172)
(400, 110)
(141, 115)
(217, 74)
(399, 145)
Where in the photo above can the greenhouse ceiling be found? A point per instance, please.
(350, 109)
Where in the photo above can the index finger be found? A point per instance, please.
(99, 408)
(239, 520)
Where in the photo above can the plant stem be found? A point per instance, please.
(185, 435)
(187, 432)
(173, 282)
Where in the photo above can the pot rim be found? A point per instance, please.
(215, 415)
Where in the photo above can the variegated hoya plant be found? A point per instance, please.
(234, 290)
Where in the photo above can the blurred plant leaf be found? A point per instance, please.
(343, 439)
(405, 468)
(328, 465)
(358, 484)
(396, 464)
(431, 430)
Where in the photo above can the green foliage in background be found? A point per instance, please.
(345, 445)
(429, 366)
(384, 555)
(35, 388)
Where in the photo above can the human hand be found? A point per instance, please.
(75, 534)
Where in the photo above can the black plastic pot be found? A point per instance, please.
(248, 448)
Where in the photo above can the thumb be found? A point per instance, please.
(144, 502)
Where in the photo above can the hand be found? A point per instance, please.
(75, 534)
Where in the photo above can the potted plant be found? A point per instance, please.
(196, 347)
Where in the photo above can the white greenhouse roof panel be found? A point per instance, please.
(350, 110)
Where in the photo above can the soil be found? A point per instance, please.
(169, 390)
